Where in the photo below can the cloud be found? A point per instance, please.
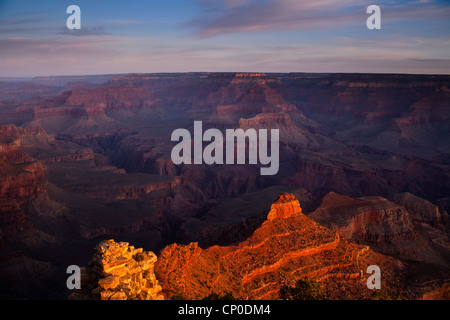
(26, 21)
(22, 26)
(271, 15)
(124, 22)
(85, 31)
(237, 16)
(59, 55)
(323, 47)
(19, 46)
(433, 60)
(84, 55)
(395, 41)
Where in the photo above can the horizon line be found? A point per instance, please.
(216, 72)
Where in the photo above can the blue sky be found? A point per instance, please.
(223, 35)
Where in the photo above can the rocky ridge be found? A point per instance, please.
(288, 246)
(23, 181)
(23, 188)
(411, 229)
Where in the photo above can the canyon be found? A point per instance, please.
(88, 159)
(286, 247)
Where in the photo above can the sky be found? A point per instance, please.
(119, 36)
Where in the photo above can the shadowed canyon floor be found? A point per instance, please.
(84, 159)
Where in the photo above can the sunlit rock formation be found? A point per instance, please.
(119, 271)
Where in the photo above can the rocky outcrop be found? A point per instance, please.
(284, 207)
(286, 247)
(288, 131)
(442, 292)
(78, 155)
(246, 78)
(119, 271)
(420, 210)
(22, 190)
(410, 230)
(22, 181)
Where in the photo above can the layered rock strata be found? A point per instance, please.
(413, 229)
(288, 246)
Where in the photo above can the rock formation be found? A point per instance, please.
(413, 229)
(103, 144)
(22, 182)
(119, 271)
(22, 191)
(287, 246)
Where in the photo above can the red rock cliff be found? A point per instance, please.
(286, 247)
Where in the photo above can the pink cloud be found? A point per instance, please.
(236, 16)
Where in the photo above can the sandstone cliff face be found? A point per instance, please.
(22, 181)
(284, 207)
(119, 271)
(288, 246)
(22, 186)
(411, 229)
(420, 210)
(289, 132)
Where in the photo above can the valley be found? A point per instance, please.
(86, 159)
